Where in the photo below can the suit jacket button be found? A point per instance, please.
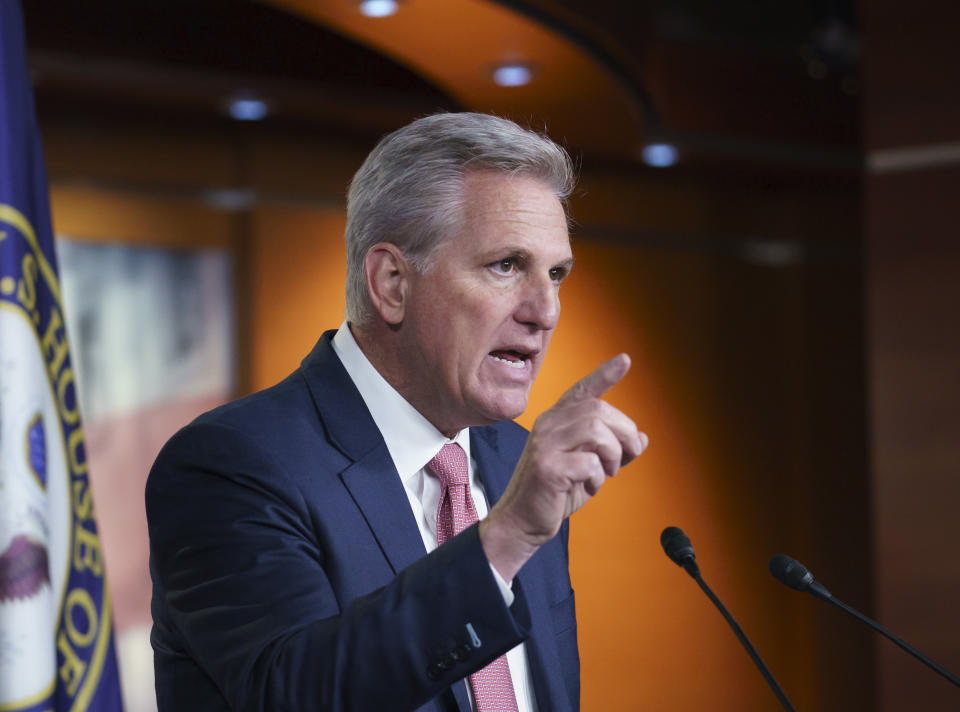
(434, 671)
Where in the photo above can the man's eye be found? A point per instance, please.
(505, 266)
(557, 274)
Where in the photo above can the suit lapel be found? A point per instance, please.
(494, 473)
(544, 665)
(371, 479)
(376, 488)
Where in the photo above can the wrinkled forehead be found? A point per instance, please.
(497, 196)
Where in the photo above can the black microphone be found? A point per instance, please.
(677, 546)
(795, 575)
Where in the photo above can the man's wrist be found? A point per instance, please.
(505, 551)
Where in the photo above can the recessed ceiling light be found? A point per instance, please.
(659, 155)
(378, 8)
(247, 109)
(512, 75)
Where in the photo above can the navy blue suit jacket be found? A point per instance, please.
(289, 573)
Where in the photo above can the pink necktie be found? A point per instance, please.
(492, 686)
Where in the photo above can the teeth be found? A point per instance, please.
(512, 364)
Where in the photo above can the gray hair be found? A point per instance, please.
(409, 190)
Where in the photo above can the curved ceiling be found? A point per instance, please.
(456, 44)
(740, 82)
(730, 85)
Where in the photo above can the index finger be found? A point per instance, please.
(598, 381)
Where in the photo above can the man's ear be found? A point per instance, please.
(387, 272)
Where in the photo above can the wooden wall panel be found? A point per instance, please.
(910, 120)
(914, 294)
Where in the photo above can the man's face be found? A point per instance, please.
(479, 319)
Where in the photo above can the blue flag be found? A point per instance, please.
(56, 640)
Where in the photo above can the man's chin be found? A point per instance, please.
(506, 409)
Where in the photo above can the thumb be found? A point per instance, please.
(598, 381)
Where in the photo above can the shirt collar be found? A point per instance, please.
(411, 439)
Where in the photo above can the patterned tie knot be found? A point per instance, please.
(450, 465)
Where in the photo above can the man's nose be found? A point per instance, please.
(540, 304)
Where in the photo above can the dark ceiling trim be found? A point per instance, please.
(207, 86)
(617, 69)
(815, 157)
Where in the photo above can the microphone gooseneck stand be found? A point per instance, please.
(795, 575)
(677, 546)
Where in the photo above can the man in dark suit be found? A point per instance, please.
(290, 530)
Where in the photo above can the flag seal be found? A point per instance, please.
(51, 564)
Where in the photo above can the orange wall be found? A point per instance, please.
(297, 275)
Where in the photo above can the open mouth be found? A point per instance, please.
(514, 359)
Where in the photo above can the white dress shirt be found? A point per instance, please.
(412, 441)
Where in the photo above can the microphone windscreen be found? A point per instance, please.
(676, 545)
(790, 572)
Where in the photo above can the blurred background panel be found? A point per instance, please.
(152, 331)
(765, 222)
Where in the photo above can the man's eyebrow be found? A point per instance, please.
(567, 264)
(507, 251)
